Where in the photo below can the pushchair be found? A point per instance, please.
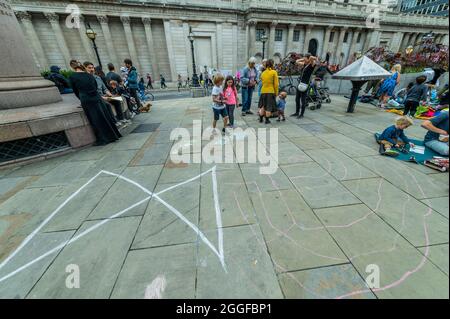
(317, 95)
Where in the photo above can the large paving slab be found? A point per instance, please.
(99, 256)
(438, 255)
(414, 183)
(64, 174)
(123, 194)
(318, 188)
(161, 226)
(249, 271)
(418, 223)
(167, 272)
(294, 236)
(310, 143)
(339, 165)
(439, 204)
(367, 240)
(324, 283)
(347, 145)
(21, 281)
(257, 182)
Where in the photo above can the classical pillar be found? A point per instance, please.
(396, 42)
(170, 53)
(235, 47)
(290, 38)
(126, 22)
(251, 38)
(53, 18)
(337, 53)
(21, 84)
(403, 41)
(326, 40)
(445, 39)
(25, 17)
(355, 36)
(219, 37)
(87, 44)
(367, 40)
(103, 20)
(188, 50)
(308, 29)
(151, 46)
(271, 44)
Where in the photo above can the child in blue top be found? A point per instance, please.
(393, 136)
(281, 105)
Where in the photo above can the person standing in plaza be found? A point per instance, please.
(248, 83)
(133, 85)
(231, 98)
(179, 82)
(162, 81)
(269, 91)
(149, 81)
(84, 86)
(112, 76)
(308, 64)
(388, 85)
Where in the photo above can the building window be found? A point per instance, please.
(278, 35)
(259, 33)
(358, 40)
(345, 37)
(296, 36)
(331, 37)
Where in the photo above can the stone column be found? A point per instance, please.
(187, 47)
(126, 22)
(337, 53)
(290, 38)
(251, 38)
(219, 42)
(170, 53)
(87, 44)
(396, 42)
(445, 39)
(21, 84)
(235, 47)
(308, 29)
(151, 46)
(403, 41)
(53, 18)
(271, 44)
(367, 40)
(355, 36)
(326, 40)
(103, 20)
(25, 17)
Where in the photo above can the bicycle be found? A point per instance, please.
(290, 88)
(146, 96)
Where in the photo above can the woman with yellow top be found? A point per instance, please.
(269, 91)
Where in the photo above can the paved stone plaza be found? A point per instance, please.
(333, 209)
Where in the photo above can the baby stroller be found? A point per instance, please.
(314, 99)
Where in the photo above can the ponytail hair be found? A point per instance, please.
(74, 64)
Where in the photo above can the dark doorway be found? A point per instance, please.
(312, 47)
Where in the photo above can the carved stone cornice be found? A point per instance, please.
(102, 19)
(146, 20)
(23, 15)
(125, 20)
(51, 16)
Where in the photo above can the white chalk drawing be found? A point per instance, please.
(156, 288)
(219, 252)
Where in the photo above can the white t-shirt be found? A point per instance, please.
(217, 90)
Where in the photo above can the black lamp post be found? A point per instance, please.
(195, 82)
(263, 39)
(92, 35)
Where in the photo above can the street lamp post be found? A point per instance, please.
(90, 33)
(195, 81)
(263, 39)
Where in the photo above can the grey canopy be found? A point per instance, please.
(363, 69)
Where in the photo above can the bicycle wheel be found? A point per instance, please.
(149, 96)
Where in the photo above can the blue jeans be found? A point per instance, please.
(247, 94)
(438, 147)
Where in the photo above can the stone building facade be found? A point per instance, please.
(154, 33)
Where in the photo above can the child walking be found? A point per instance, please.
(417, 93)
(393, 136)
(231, 98)
(281, 105)
(218, 106)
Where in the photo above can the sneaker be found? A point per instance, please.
(249, 112)
(278, 120)
(300, 116)
(243, 114)
(284, 119)
(294, 114)
(267, 121)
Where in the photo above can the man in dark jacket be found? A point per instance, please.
(112, 75)
(133, 81)
(60, 81)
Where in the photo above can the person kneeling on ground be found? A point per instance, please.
(417, 93)
(393, 136)
(437, 126)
